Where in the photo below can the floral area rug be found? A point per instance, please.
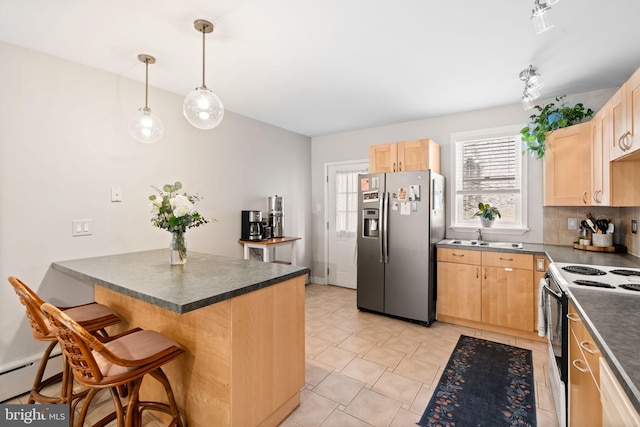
(485, 383)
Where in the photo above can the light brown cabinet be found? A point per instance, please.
(626, 118)
(601, 142)
(459, 287)
(584, 403)
(491, 290)
(617, 409)
(507, 290)
(567, 166)
(405, 156)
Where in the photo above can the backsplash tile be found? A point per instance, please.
(555, 230)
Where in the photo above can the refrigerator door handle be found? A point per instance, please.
(385, 223)
(381, 238)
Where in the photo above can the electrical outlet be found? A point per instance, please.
(80, 227)
(634, 226)
(572, 223)
(116, 194)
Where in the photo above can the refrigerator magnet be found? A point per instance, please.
(402, 193)
(364, 184)
(394, 206)
(404, 208)
(414, 192)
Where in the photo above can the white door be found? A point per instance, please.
(342, 217)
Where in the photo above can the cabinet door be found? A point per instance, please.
(567, 166)
(383, 158)
(418, 155)
(619, 121)
(459, 291)
(601, 137)
(632, 143)
(507, 299)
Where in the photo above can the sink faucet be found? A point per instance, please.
(479, 235)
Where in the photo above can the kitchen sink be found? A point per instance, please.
(486, 243)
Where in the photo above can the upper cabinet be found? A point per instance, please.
(601, 140)
(405, 156)
(567, 166)
(626, 118)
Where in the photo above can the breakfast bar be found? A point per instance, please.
(241, 323)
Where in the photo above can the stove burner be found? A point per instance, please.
(594, 284)
(583, 269)
(631, 286)
(626, 272)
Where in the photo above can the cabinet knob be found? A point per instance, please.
(394, 167)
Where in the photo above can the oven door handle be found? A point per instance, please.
(551, 292)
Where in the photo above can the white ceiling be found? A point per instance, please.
(323, 66)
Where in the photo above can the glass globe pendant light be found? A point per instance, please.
(145, 126)
(202, 108)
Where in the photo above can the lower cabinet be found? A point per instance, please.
(507, 297)
(585, 408)
(617, 409)
(493, 290)
(459, 291)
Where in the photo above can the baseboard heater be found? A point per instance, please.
(16, 378)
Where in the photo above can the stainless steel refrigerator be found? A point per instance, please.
(400, 218)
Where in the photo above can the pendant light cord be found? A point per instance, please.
(146, 84)
(203, 59)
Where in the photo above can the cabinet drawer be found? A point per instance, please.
(507, 259)
(459, 256)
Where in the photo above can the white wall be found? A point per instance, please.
(64, 143)
(354, 145)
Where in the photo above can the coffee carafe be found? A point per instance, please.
(251, 225)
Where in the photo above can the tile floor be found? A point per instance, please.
(364, 369)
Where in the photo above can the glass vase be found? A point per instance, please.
(178, 248)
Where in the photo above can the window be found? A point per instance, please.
(489, 168)
(347, 202)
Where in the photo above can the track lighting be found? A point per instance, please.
(145, 126)
(202, 108)
(540, 16)
(532, 85)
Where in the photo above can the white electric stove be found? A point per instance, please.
(600, 277)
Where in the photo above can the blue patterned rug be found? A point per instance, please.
(485, 383)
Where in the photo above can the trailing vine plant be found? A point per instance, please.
(549, 118)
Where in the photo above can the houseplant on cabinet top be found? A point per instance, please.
(549, 118)
(487, 214)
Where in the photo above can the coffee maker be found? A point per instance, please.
(276, 215)
(251, 225)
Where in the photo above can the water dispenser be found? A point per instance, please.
(370, 226)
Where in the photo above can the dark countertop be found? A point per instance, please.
(612, 319)
(557, 253)
(613, 324)
(204, 280)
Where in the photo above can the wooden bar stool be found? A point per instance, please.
(122, 359)
(93, 316)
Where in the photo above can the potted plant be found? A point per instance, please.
(487, 214)
(549, 118)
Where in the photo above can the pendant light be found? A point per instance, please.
(202, 108)
(145, 126)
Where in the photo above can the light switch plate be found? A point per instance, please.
(634, 226)
(81, 227)
(572, 223)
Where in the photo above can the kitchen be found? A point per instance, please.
(63, 169)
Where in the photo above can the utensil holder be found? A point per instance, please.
(603, 240)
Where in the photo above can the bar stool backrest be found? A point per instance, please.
(32, 302)
(76, 343)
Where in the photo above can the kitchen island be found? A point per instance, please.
(241, 323)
